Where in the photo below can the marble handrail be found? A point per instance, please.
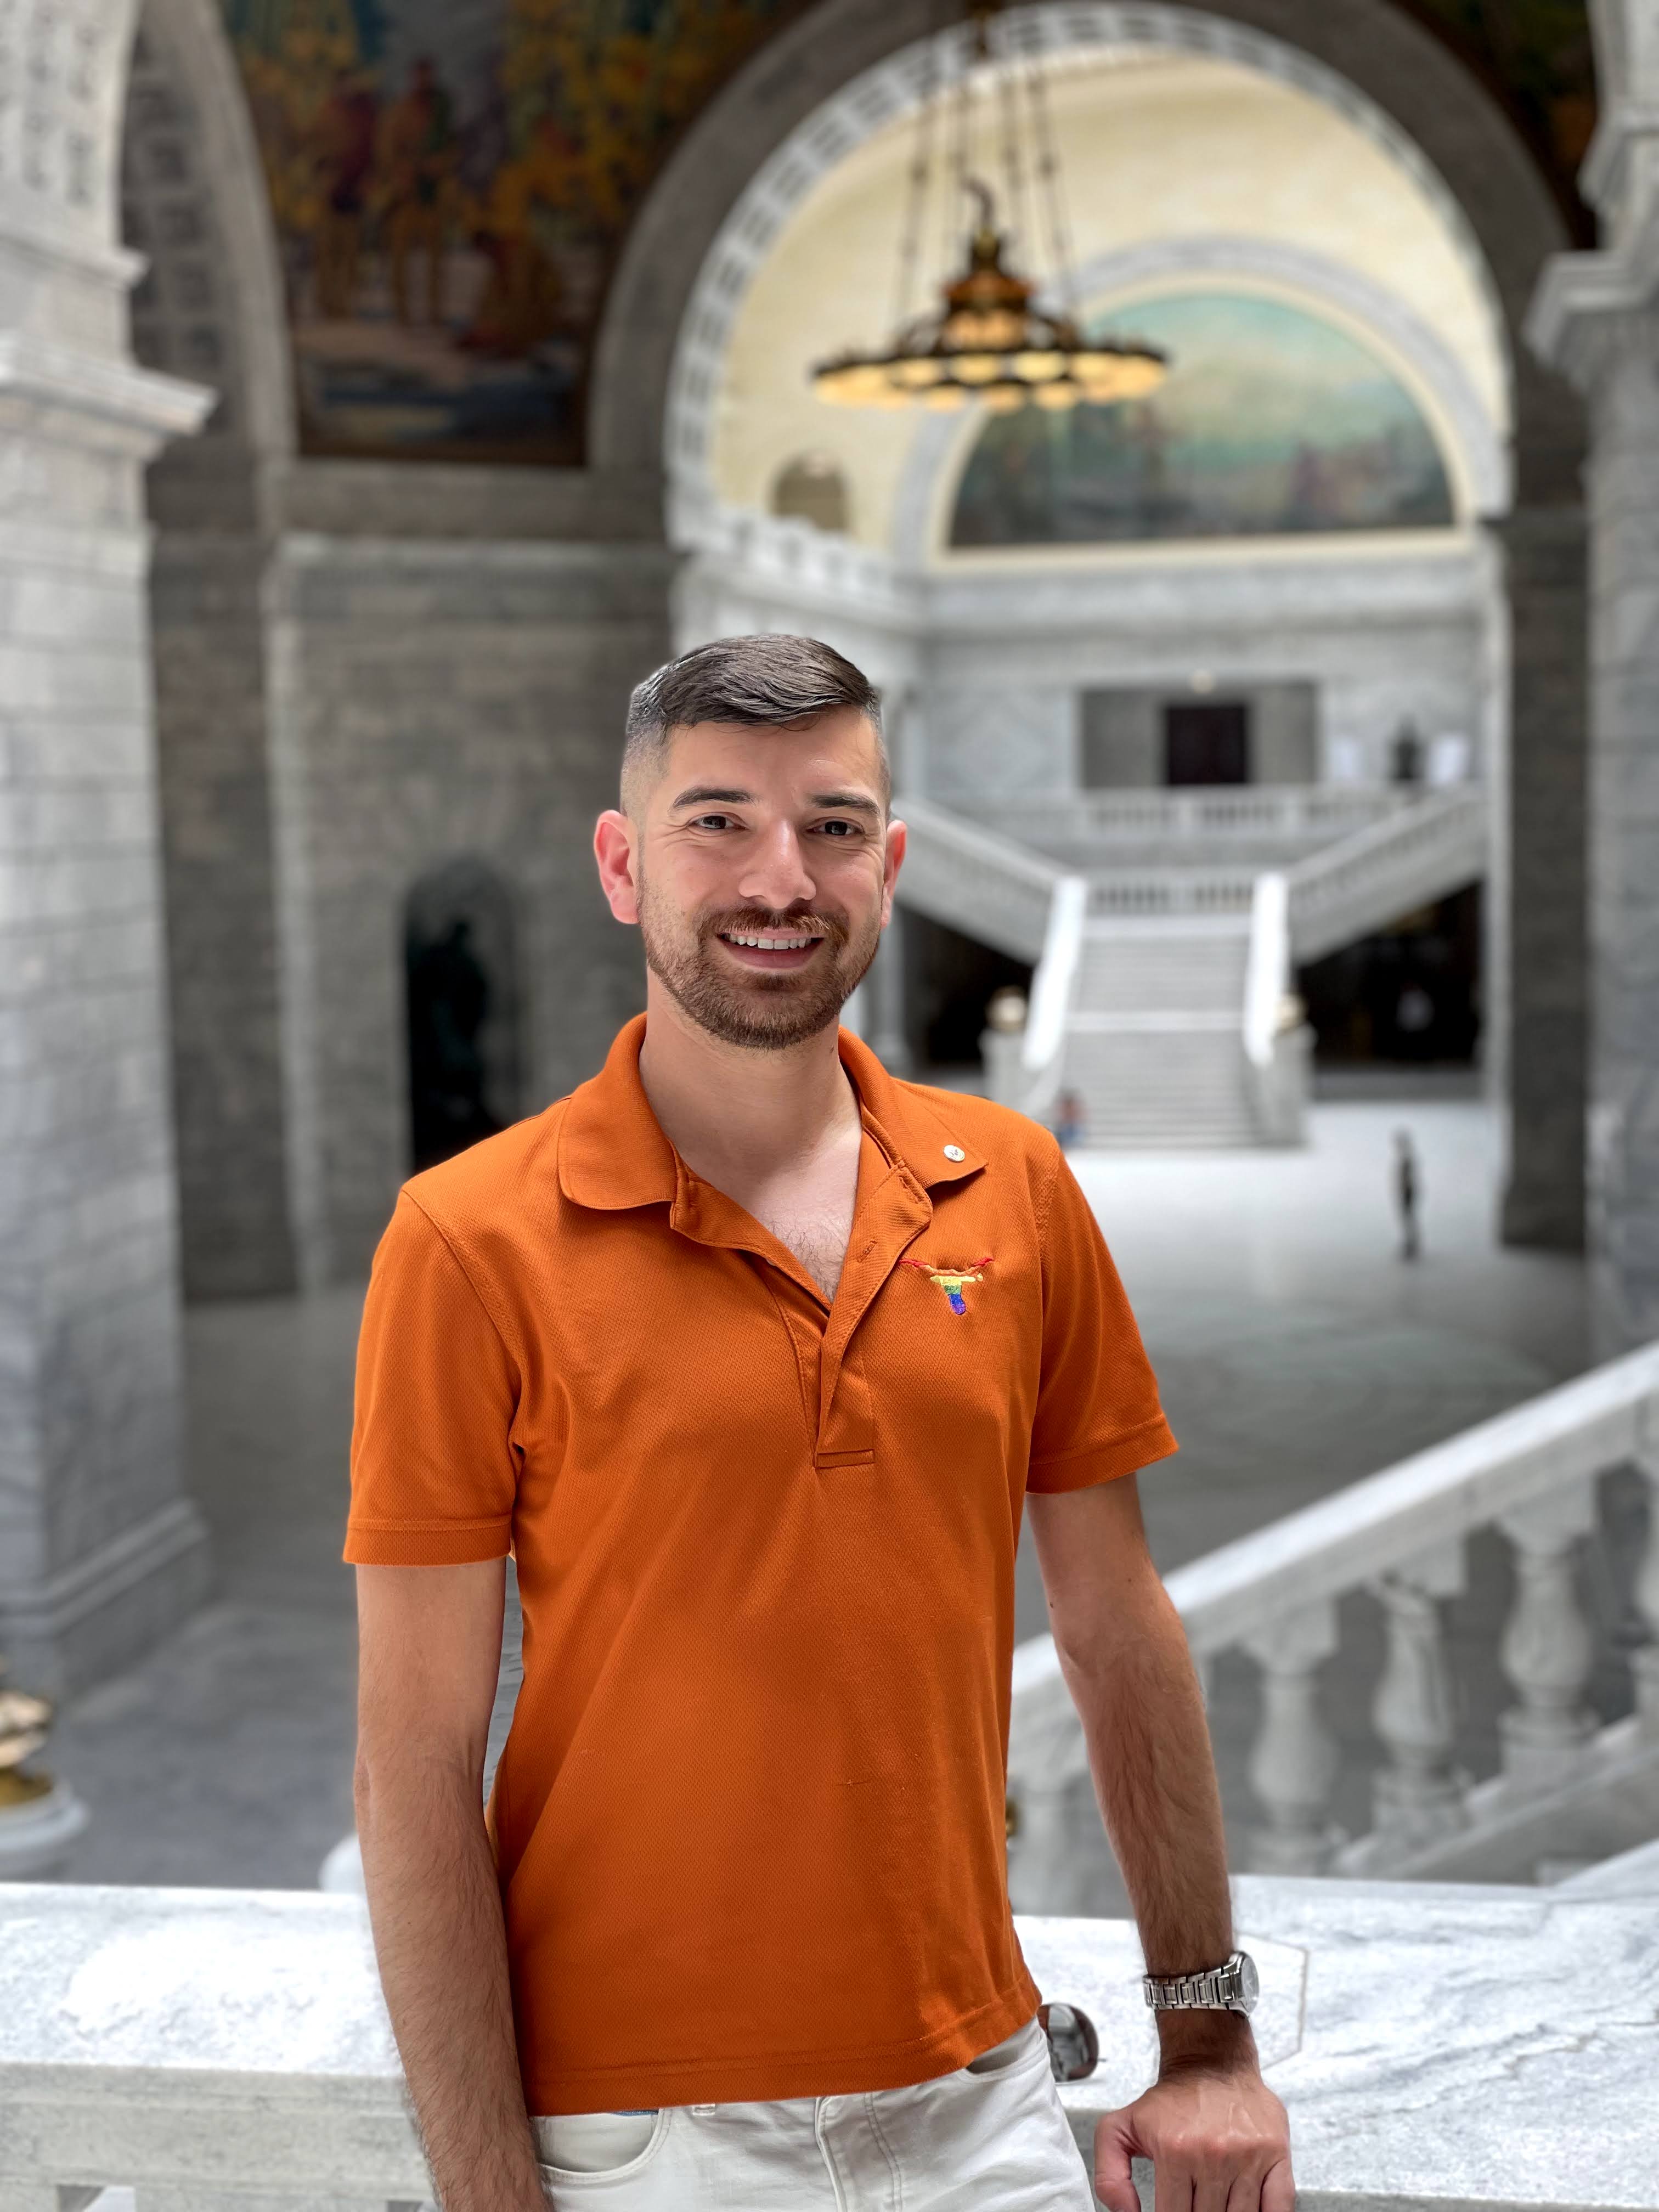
(1498, 2050)
(1399, 1535)
(1210, 814)
(956, 873)
(1368, 877)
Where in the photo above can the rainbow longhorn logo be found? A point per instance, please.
(953, 1281)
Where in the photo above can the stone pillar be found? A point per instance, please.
(1619, 355)
(884, 997)
(99, 1549)
(1543, 889)
(1597, 317)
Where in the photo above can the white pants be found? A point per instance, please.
(991, 2137)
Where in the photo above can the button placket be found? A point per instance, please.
(900, 1210)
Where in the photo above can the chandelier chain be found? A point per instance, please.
(1048, 163)
(921, 170)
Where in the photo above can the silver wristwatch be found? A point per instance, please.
(1230, 1987)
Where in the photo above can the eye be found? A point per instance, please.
(711, 822)
(840, 829)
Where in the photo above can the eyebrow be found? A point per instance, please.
(708, 794)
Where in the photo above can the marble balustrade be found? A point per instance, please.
(1487, 2048)
(1567, 1786)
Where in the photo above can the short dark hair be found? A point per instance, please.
(769, 682)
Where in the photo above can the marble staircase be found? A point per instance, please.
(1154, 1044)
(1162, 927)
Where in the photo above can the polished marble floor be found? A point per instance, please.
(1296, 1349)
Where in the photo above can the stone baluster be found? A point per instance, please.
(1417, 1797)
(1548, 1648)
(1294, 1763)
(1644, 1661)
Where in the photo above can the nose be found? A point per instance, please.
(776, 874)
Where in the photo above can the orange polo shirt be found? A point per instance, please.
(750, 1818)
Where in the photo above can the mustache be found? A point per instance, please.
(761, 920)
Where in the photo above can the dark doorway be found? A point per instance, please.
(949, 980)
(462, 1005)
(1207, 743)
(1411, 994)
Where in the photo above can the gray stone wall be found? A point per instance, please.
(208, 636)
(435, 699)
(99, 1547)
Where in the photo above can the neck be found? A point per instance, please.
(719, 1102)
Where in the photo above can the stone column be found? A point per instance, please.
(1597, 316)
(99, 1549)
(1544, 891)
(1618, 357)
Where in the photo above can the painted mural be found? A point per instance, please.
(452, 180)
(1272, 421)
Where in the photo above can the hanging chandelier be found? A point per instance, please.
(986, 343)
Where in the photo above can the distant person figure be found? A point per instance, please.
(1407, 756)
(1407, 1194)
(1070, 1120)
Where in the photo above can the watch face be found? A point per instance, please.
(1249, 1983)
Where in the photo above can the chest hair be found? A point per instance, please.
(816, 1235)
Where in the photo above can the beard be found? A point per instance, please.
(761, 1012)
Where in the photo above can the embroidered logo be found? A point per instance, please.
(953, 1281)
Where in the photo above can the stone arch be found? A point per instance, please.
(209, 307)
(1395, 72)
(1412, 79)
(193, 203)
(889, 92)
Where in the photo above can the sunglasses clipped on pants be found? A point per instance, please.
(990, 2137)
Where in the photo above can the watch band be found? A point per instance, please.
(1217, 1989)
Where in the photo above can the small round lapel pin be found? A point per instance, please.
(955, 1152)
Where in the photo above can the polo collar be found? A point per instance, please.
(613, 1154)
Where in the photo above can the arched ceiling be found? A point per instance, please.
(555, 119)
(1180, 167)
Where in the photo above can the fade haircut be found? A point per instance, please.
(771, 682)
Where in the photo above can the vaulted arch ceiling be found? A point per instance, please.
(1224, 159)
(1469, 137)
(576, 159)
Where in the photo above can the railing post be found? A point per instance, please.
(1418, 1798)
(1644, 1660)
(1548, 1648)
(1294, 1760)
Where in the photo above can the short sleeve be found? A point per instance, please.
(434, 1465)
(1097, 1415)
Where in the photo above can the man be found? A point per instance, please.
(755, 1356)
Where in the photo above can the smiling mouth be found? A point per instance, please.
(769, 940)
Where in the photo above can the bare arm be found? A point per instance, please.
(429, 1644)
(1217, 2136)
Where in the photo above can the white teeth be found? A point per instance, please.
(771, 944)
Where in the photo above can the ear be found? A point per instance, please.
(893, 859)
(614, 841)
